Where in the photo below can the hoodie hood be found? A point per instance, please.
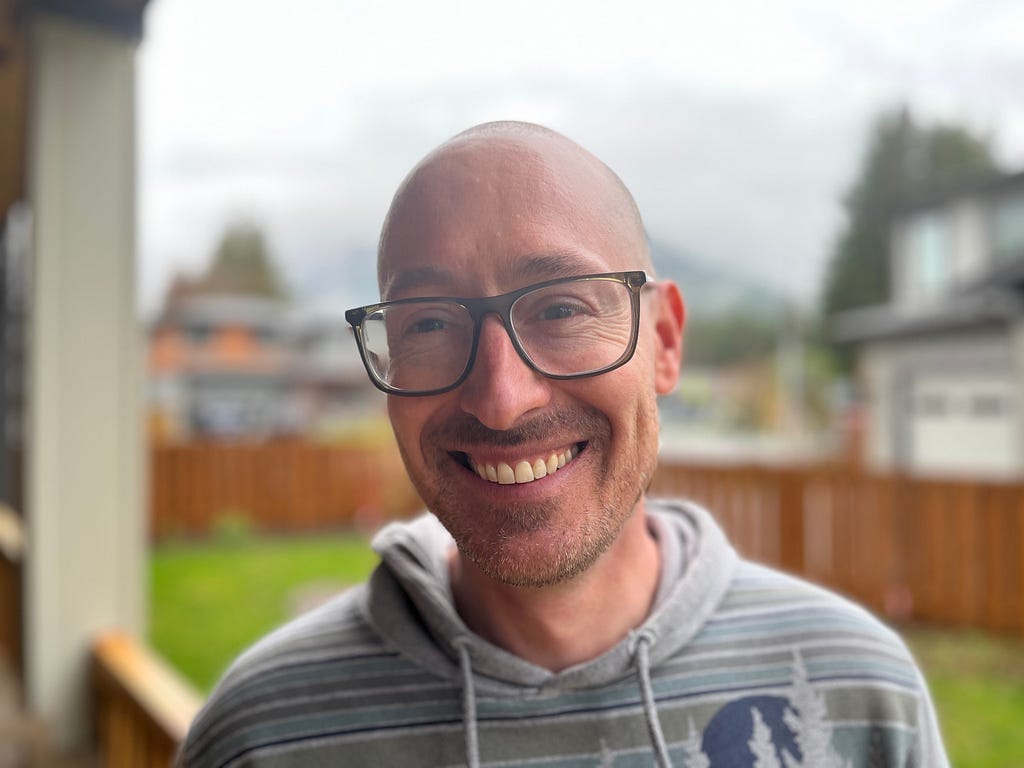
(409, 602)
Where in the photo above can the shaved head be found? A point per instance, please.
(496, 209)
(511, 159)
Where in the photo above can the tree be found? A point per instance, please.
(695, 756)
(242, 264)
(809, 723)
(761, 745)
(725, 338)
(902, 162)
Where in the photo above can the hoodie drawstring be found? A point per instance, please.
(644, 640)
(468, 704)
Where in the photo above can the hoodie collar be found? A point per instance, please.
(409, 601)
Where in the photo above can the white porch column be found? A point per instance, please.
(85, 566)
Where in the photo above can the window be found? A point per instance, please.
(932, 404)
(266, 336)
(929, 267)
(987, 405)
(199, 335)
(1008, 227)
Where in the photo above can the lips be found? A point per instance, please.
(523, 470)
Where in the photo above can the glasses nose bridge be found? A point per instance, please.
(501, 307)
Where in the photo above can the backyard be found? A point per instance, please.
(237, 586)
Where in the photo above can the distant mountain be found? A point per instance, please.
(710, 290)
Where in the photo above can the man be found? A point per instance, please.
(550, 614)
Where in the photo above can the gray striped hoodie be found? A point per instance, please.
(737, 665)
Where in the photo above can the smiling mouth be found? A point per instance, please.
(525, 470)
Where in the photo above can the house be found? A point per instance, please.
(237, 364)
(941, 366)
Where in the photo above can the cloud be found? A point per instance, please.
(737, 129)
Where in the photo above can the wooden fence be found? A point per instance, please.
(277, 486)
(945, 551)
(948, 551)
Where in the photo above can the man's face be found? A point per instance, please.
(480, 220)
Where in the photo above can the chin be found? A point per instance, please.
(528, 545)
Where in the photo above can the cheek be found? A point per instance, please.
(628, 387)
(632, 404)
(407, 416)
(626, 398)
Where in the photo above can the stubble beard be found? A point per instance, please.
(532, 544)
(522, 550)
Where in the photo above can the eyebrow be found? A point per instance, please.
(534, 267)
(553, 264)
(416, 277)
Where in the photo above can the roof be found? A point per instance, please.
(215, 311)
(984, 185)
(992, 298)
(121, 16)
(988, 306)
(1008, 274)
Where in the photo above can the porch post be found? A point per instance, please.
(84, 571)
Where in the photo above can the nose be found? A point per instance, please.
(501, 387)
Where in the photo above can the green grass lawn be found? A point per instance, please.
(977, 682)
(210, 600)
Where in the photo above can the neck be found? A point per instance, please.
(559, 626)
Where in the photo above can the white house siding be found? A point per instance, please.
(970, 240)
(950, 405)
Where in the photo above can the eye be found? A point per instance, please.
(427, 325)
(561, 311)
(413, 320)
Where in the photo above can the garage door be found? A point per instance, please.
(964, 424)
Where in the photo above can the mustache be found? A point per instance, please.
(467, 431)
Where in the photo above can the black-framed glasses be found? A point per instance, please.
(565, 328)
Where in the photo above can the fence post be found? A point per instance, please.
(791, 520)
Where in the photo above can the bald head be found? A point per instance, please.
(484, 189)
(498, 209)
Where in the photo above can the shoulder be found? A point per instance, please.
(783, 603)
(826, 641)
(843, 671)
(765, 608)
(273, 683)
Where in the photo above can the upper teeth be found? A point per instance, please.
(524, 471)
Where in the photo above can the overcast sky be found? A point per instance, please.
(737, 125)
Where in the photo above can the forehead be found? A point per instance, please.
(488, 216)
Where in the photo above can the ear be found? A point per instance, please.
(669, 319)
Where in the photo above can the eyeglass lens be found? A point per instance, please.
(570, 328)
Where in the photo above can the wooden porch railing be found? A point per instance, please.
(142, 707)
